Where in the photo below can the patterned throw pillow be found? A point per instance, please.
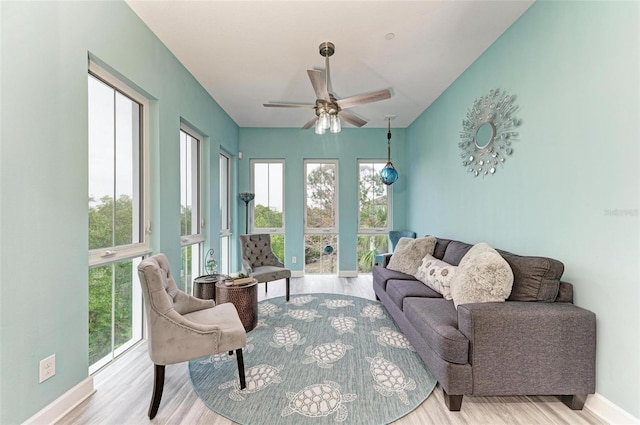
(409, 254)
(437, 275)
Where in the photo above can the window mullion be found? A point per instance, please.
(115, 172)
(113, 308)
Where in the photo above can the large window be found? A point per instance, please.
(320, 217)
(268, 205)
(225, 214)
(191, 236)
(118, 215)
(374, 213)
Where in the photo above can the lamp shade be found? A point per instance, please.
(324, 120)
(335, 124)
(388, 175)
(246, 196)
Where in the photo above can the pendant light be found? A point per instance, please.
(389, 175)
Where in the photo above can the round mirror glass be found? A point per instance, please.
(484, 135)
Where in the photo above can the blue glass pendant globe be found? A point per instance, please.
(388, 175)
(328, 249)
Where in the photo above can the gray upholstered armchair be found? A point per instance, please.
(259, 261)
(181, 327)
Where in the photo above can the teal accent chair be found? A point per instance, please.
(394, 237)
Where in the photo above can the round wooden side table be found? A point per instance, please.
(204, 286)
(244, 298)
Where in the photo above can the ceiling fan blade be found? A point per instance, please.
(319, 84)
(288, 105)
(361, 99)
(351, 119)
(310, 123)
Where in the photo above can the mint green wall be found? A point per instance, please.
(294, 146)
(43, 177)
(575, 68)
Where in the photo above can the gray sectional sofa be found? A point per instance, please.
(535, 343)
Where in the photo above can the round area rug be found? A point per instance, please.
(320, 358)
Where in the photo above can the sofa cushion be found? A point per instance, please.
(441, 247)
(398, 290)
(455, 251)
(482, 276)
(409, 254)
(534, 278)
(437, 275)
(436, 320)
(382, 275)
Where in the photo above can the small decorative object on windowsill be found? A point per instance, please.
(246, 197)
(239, 279)
(204, 286)
(210, 264)
(389, 175)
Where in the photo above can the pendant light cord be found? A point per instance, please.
(389, 140)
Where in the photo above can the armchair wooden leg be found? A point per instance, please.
(158, 385)
(453, 402)
(288, 289)
(243, 383)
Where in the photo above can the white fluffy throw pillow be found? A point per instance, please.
(437, 275)
(409, 253)
(482, 276)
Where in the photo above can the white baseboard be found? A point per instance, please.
(63, 404)
(297, 273)
(609, 412)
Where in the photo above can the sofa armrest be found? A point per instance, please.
(530, 347)
(565, 293)
(382, 260)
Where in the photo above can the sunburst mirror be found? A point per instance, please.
(487, 133)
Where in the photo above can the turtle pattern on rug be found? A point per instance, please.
(317, 359)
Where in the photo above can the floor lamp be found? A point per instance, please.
(246, 197)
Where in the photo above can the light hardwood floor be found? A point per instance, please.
(124, 388)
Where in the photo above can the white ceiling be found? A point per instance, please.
(246, 53)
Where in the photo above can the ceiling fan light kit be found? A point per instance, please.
(328, 109)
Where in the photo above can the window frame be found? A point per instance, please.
(225, 228)
(336, 225)
(134, 252)
(192, 239)
(375, 230)
(252, 224)
(104, 256)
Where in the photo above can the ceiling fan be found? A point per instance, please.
(328, 109)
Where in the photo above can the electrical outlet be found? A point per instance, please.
(47, 368)
(294, 260)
